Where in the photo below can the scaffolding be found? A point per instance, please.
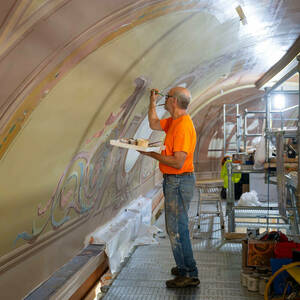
(280, 134)
(228, 112)
(251, 115)
(278, 216)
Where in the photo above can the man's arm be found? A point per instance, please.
(175, 161)
(154, 121)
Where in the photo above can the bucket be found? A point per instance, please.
(244, 279)
(244, 275)
(252, 282)
(262, 285)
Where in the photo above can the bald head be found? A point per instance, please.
(182, 95)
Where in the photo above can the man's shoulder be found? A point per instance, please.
(186, 121)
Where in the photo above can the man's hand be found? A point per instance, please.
(154, 122)
(175, 161)
(144, 153)
(154, 96)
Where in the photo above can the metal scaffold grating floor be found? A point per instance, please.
(219, 264)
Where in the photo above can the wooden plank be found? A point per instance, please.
(288, 165)
(83, 279)
(234, 235)
(91, 282)
(81, 270)
(217, 182)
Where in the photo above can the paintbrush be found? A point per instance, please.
(159, 94)
(156, 92)
(153, 143)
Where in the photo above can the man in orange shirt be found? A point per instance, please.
(176, 164)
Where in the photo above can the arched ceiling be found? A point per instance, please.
(70, 68)
(201, 39)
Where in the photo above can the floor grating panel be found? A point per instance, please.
(219, 264)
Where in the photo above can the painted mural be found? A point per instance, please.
(79, 188)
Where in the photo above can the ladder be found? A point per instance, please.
(232, 128)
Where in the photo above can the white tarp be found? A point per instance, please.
(132, 226)
(249, 199)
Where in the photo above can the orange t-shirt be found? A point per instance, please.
(181, 136)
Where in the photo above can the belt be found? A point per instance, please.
(179, 175)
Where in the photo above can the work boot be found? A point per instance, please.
(175, 271)
(182, 282)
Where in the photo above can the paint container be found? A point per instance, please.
(253, 282)
(244, 279)
(244, 275)
(262, 285)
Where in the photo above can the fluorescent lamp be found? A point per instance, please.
(278, 101)
(241, 14)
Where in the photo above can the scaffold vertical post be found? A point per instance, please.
(230, 199)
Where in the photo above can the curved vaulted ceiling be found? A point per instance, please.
(75, 74)
(198, 39)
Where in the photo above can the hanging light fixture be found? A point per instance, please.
(241, 14)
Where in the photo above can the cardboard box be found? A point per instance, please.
(244, 253)
(245, 188)
(260, 253)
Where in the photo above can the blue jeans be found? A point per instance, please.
(178, 192)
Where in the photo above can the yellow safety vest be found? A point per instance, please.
(235, 177)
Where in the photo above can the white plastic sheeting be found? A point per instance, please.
(260, 155)
(131, 227)
(249, 199)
